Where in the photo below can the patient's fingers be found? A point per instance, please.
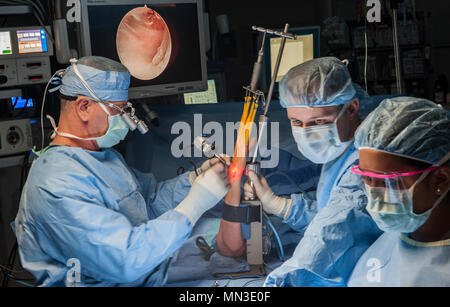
(248, 191)
(247, 187)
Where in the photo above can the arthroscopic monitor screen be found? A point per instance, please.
(159, 44)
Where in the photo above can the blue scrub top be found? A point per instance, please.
(91, 208)
(336, 236)
(396, 260)
(306, 205)
(332, 173)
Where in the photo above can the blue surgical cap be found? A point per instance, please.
(317, 83)
(366, 103)
(108, 79)
(412, 127)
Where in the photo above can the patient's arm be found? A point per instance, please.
(229, 239)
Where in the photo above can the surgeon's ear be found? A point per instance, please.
(353, 108)
(84, 108)
(440, 180)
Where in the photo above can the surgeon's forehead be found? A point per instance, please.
(305, 113)
(372, 160)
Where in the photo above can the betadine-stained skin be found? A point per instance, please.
(143, 43)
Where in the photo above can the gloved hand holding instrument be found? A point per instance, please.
(272, 204)
(222, 158)
(206, 191)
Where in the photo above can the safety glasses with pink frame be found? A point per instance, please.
(392, 180)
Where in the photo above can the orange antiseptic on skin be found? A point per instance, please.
(245, 128)
(235, 172)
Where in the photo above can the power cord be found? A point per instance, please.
(18, 280)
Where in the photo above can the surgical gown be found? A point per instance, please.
(88, 206)
(306, 205)
(396, 260)
(337, 236)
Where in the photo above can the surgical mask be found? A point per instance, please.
(392, 208)
(321, 143)
(117, 130)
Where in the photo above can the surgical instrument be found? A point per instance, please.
(207, 250)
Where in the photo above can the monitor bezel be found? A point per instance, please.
(159, 89)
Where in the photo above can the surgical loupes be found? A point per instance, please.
(132, 120)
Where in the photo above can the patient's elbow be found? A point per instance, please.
(230, 250)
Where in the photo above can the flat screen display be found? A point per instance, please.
(209, 96)
(5, 43)
(19, 103)
(32, 41)
(158, 43)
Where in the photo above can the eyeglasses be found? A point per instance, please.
(357, 170)
(392, 180)
(128, 114)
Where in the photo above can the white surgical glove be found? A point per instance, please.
(206, 166)
(206, 191)
(272, 204)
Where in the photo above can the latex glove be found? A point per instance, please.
(272, 204)
(206, 191)
(206, 166)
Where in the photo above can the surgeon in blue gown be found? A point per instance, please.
(404, 160)
(325, 108)
(85, 217)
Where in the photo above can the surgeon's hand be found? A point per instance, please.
(206, 166)
(206, 191)
(272, 204)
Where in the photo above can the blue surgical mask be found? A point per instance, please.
(321, 143)
(392, 209)
(117, 131)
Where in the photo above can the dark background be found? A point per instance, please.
(432, 19)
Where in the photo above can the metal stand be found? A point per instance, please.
(254, 249)
(255, 242)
